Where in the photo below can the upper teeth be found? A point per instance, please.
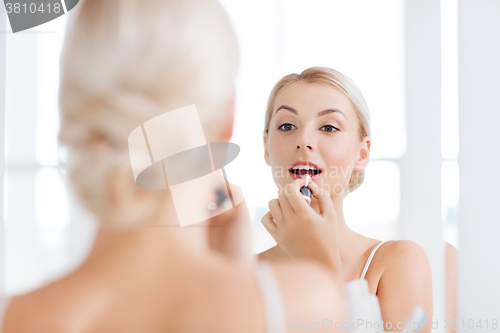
(304, 167)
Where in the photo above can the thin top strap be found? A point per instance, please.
(272, 299)
(370, 260)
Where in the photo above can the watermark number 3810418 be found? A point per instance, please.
(26, 14)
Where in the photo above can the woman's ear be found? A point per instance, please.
(363, 155)
(266, 150)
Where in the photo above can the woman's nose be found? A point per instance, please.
(304, 144)
(307, 147)
(304, 141)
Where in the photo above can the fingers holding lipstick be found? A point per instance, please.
(296, 199)
(299, 229)
(325, 203)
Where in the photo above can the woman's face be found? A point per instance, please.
(314, 124)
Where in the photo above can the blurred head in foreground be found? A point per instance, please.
(123, 63)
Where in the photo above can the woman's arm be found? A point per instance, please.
(405, 283)
(451, 286)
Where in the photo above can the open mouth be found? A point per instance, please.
(300, 170)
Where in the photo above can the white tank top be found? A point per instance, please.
(370, 260)
(272, 298)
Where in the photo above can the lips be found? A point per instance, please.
(299, 169)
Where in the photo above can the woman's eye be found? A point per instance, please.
(286, 127)
(329, 128)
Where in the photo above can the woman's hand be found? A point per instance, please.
(229, 233)
(299, 230)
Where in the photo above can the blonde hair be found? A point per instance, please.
(123, 63)
(343, 83)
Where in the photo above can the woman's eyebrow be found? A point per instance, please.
(292, 110)
(322, 113)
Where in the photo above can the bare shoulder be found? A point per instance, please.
(311, 291)
(393, 253)
(401, 251)
(46, 308)
(15, 314)
(407, 272)
(451, 252)
(404, 262)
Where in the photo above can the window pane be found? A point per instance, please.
(49, 50)
(449, 82)
(32, 81)
(335, 34)
(20, 99)
(24, 258)
(46, 232)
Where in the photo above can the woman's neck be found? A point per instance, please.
(349, 244)
(160, 236)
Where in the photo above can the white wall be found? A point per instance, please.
(479, 158)
(421, 219)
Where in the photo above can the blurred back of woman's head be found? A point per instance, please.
(123, 63)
